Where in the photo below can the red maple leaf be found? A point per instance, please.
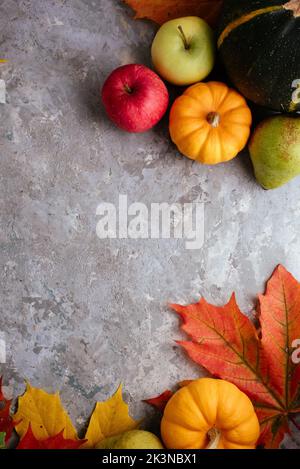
(257, 360)
(6, 422)
(161, 11)
(58, 441)
(160, 401)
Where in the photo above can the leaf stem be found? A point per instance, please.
(294, 422)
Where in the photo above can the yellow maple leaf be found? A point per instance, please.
(161, 11)
(45, 413)
(109, 418)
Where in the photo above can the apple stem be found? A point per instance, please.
(127, 88)
(185, 41)
(214, 119)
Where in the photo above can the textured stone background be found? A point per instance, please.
(81, 314)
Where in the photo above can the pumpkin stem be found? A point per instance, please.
(294, 6)
(185, 41)
(214, 119)
(214, 436)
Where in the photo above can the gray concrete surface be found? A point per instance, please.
(81, 314)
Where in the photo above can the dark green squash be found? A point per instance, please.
(259, 43)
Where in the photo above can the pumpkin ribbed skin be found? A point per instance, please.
(194, 130)
(206, 404)
(259, 43)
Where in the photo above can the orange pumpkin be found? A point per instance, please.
(209, 413)
(210, 123)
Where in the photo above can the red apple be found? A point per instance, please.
(135, 98)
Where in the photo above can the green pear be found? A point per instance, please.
(134, 439)
(275, 151)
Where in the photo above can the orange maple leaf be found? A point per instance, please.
(258, 361)
(29, 441)
(161, 11)
(6, 422)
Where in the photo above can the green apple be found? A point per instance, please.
(133, 439)
(183, 50)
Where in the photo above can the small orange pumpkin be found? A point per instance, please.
(212, 414)
(210, 123)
